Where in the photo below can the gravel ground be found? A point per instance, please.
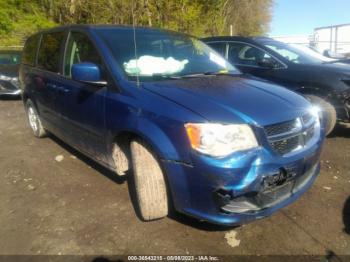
(53, 200)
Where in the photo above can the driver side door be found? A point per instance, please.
(256, 61)
(248, 58)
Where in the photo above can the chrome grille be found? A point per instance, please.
(286, 145)
(279, 128)
(289, 136)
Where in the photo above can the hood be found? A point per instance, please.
(232, 99)
(9, 70)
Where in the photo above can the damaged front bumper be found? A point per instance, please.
(258, 201)
(342, 105)
(242, 188)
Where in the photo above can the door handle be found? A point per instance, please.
(50, 85)
(62, 89)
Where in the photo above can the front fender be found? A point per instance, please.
(158, 121)
(154, 136)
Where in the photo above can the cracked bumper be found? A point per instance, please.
(233, 191)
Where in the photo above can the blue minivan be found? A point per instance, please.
(196, 134)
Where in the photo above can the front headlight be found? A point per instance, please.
(6, 78)
(220, 140)
(13, 80)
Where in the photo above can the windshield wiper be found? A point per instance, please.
(208, 73)
(163, 76)
(228, 73)
(337, 61)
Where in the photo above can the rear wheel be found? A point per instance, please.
(329, 114)
(34, 120)
(150, 185)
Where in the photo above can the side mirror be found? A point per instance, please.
(88, 73)
(267, 63)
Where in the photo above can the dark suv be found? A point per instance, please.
(325, 83)
(196, 134)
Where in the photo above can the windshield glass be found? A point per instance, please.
(162, 53)
(9, 58)
(293, 54)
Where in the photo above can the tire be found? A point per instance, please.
(328, 112)
(150, 184)
(34, 120)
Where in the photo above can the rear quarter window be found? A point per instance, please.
(50, 51)
(29, 51)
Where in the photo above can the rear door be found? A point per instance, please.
(46, 77)
(82, 104)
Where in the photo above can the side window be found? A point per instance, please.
(29, 51)
(244, 54)
(49, 52)
(219, 47)
(79, 49)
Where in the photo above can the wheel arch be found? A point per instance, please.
(126, 136)
(312, 90)
(167, 143)
(26, 97)
(161, 146)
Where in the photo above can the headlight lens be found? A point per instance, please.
(6, 78)
(220, 140)
(13, 80)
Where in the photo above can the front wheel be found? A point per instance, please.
(329, 114)
(150, 184)
(34, 120)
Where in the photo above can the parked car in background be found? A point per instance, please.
(325, 83)
(342, 60)
(331, 54)
(336, 57)
(313, 52)
(325, 57)
(177, 114)
(9, 64)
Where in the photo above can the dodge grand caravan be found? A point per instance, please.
(196, 134)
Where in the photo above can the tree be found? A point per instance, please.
(18, 18)
(247, 17)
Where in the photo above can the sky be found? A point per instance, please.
(300, 17)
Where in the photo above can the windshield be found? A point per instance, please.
(162, 54)
(297, 55)
(9, 58)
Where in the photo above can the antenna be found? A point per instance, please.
(135, 45)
